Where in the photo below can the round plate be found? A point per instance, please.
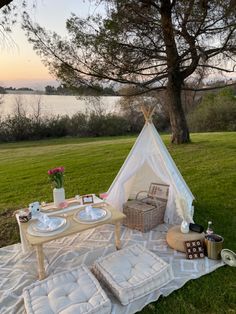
(55, 223)
(228, 257)
(34, 233)
(97, 214)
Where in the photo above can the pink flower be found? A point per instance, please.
(56, 176)
(56, 170)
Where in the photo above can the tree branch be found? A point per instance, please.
(217, 68)
(207, 88)
(4, 2)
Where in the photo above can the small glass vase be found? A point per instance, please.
(58, 196)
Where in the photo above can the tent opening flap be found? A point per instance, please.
(142, 180)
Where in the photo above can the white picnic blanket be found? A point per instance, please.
(18, 270)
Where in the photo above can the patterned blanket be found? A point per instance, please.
(18, 270)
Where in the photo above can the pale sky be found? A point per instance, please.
(19, 64)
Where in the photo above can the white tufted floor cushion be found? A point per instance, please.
(132, 272)
(71, 292)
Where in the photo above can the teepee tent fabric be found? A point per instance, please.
(149, 161)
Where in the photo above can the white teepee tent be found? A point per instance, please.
(149, 161)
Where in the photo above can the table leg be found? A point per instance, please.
(40, 258)
(117, 235)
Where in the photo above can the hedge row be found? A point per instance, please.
(216, 112)
(21, 127)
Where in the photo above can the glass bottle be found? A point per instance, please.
(209, 228)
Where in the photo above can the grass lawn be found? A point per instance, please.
(208, 165)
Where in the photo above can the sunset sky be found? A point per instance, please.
(19, 64)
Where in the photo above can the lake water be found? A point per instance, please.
(56, 105)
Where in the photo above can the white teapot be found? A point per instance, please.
(34, 208)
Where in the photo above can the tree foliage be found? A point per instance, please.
(10, 11)
(216, 112)
(5, 3)
(130, 44)
(8, 17)
(151, 44)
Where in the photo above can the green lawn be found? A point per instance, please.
(208, 165)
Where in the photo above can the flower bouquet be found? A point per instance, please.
(56, 176)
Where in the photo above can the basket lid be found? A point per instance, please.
(138, 205)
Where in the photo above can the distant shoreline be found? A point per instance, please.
(24, 92)
(37, 92)
(51, 105)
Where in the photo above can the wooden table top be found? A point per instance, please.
(74, 226)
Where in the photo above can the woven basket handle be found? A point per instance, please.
(140, 193)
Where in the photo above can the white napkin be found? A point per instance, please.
(47, 222)
(90, 212)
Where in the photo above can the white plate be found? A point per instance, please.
(55, 224)
(228, 257)
(97, 214)
(32, 232)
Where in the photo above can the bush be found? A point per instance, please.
(58, 126)
(116, 125)
(107, 125)
(20, 127)
(130, 120)
(130, 109)
(217, 112)
(16, 128)
(78, 125)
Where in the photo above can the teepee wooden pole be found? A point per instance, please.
(152, 111)
(148, 113)
(144, 113)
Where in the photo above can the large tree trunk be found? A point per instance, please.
(180, 132)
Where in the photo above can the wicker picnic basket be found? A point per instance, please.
(147, 213)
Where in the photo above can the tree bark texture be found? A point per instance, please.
(180, 132)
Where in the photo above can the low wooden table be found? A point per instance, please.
(74, 227)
